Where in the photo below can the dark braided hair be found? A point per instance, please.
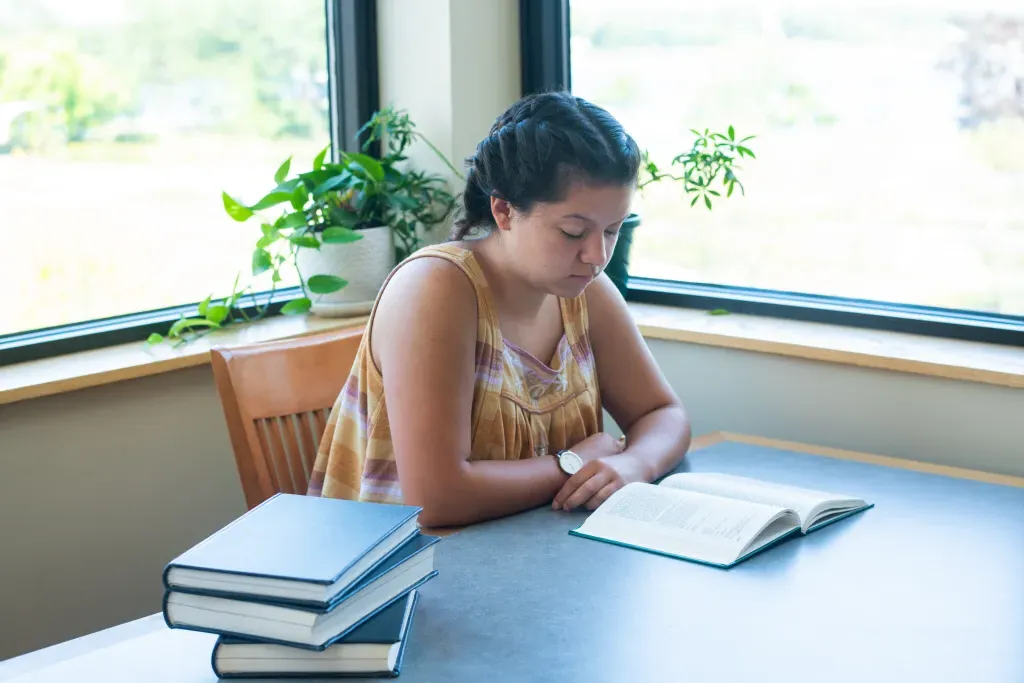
(537, 148)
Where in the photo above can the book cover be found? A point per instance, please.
(382, 578)
(293, 538)
(389, 629)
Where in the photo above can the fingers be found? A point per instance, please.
(602, 495)
(587, 489)
(572, 484)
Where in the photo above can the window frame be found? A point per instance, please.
(546, 65)
(353, 97)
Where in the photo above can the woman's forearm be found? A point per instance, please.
(659, 440)
(486, 489)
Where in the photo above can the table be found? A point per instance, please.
(926, 586)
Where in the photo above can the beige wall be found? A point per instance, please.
(98, 490)
(937, 420)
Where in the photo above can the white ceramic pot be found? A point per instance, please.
(365, 264)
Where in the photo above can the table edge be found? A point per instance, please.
(869, 458)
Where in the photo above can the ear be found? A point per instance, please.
(502, 212)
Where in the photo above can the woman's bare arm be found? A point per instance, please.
(633, 388)
(637, 396)
(424, 342)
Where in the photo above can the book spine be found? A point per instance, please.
(213, 660)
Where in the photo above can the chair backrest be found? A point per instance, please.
(276, 398)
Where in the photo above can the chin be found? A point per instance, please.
(570, 287)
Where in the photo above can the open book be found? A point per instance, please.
(712, 518)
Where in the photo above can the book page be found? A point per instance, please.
(683, 523)
(807, 503)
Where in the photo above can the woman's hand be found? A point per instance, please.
(605, 470)
(596, 446)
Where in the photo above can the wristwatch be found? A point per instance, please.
(569, 462)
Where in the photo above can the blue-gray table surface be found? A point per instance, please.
(926, 586)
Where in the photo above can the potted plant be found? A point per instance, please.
(711, 155)
(342, 226)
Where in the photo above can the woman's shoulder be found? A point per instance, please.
(601, 304)
(425, 306)
(432, 289)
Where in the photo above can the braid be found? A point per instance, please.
(536, 148)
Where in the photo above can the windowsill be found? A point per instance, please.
(894, 351)
(972, 361)
(61, 374)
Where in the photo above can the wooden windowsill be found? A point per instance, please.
(74, 371)
(917, 354)
(948, 358)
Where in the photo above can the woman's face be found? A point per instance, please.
(561, 247)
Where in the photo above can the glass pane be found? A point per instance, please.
(121, 122)
(890, 141)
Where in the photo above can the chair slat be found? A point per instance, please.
(307, 442)
(273, 395)
(320, 424)
(264, 437)
(290, 430)
(278, 456)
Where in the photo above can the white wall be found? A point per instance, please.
(454, 66)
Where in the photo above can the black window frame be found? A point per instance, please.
(546, 65)
(353, 97)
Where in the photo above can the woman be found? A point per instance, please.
(488, 357)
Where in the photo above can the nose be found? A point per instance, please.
(594, 251)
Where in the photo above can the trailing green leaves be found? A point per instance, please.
(236, 209)
(282, 171)
(330, 204)
(189, 323)
(217, 313)
(307, 241)
(330, 184)
(297, 306)
(325, 284)
(340, 235)
(261, 262)
(272, 199)
(318, 160)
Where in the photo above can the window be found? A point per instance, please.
(890, 144)
(121, 121)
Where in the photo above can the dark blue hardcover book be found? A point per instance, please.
(375, 648)
(302, 626)
(294, 549)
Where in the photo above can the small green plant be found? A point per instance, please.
(711, 155)
(329, 204)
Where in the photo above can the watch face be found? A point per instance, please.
(570, 462)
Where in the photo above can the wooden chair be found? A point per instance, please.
(276, 398)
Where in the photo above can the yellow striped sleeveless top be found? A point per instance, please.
(522, 407)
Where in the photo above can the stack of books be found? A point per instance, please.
(302, 585)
